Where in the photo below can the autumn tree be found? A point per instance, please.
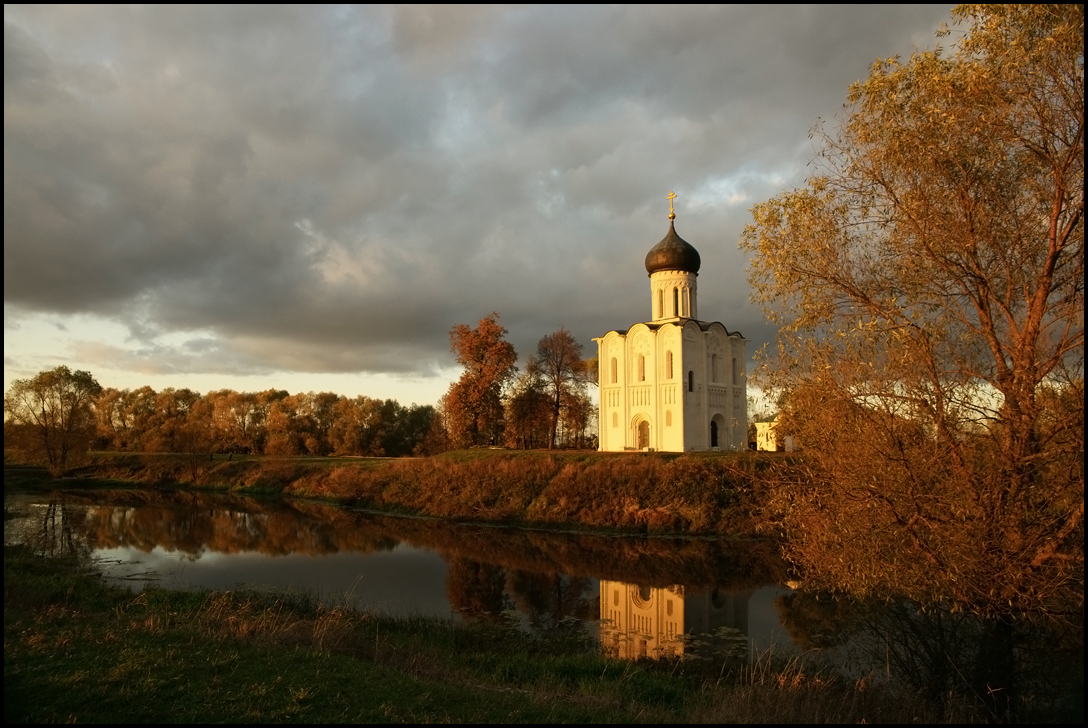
(55, 408)
(111, 425)
(194, 436)
(168, 420)
(437, 438)
(559, 356)
(357, 427)
(528, 410)
(413, 430)
(928, 286)
(284, 428)
(474, 411)
(578, 413)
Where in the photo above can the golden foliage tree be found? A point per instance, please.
(473, 408)
(929, 289)
(55, 409)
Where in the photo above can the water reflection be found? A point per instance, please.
(642, 621)
(48, 530)
(640, 597)
(542, 581)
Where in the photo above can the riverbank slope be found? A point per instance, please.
(713, 493)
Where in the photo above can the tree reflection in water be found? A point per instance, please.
(547, 602)
(646, 597)
(50, 530)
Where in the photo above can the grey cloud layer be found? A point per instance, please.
(331, 189)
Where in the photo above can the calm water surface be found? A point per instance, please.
(699, 598)
(638, 596)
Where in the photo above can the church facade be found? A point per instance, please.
(674, 383)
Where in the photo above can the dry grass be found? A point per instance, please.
(794, 692)
(634, 492)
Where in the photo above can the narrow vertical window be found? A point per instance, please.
(615, 371)
(668, 365)
(735, 377)
(660, 303)
(687, 302)
(675, 302)
(691, 381)
(641, 368)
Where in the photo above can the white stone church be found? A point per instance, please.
(673, 383)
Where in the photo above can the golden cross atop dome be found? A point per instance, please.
(670, 197)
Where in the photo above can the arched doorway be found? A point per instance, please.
(643, 435)
(718, 432)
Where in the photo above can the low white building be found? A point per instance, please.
(768, 439)
(673, 383)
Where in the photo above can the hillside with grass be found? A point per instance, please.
(707, 493)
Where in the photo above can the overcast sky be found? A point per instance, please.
(309, 198)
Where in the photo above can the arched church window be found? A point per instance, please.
(735, 375)
(641, 368)
(687, 302)
(691, 381)
(675, 302)
(668, 365)
(615, 370)
(660, 303)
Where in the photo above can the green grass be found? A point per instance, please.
(79, 650)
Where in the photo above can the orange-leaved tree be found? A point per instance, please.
(474, 411)
(55, 409)
(928, 286)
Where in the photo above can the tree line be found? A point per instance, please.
(60, 414)
(546, 405)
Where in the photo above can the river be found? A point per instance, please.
(632, 596)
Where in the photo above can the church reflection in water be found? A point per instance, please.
(674, 621)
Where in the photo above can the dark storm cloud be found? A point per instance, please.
(331, 189)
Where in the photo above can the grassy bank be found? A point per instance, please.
(651, 492)
(78, 650)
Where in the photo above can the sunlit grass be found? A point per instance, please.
(631, 492)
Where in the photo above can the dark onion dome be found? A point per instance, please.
(672, 253)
